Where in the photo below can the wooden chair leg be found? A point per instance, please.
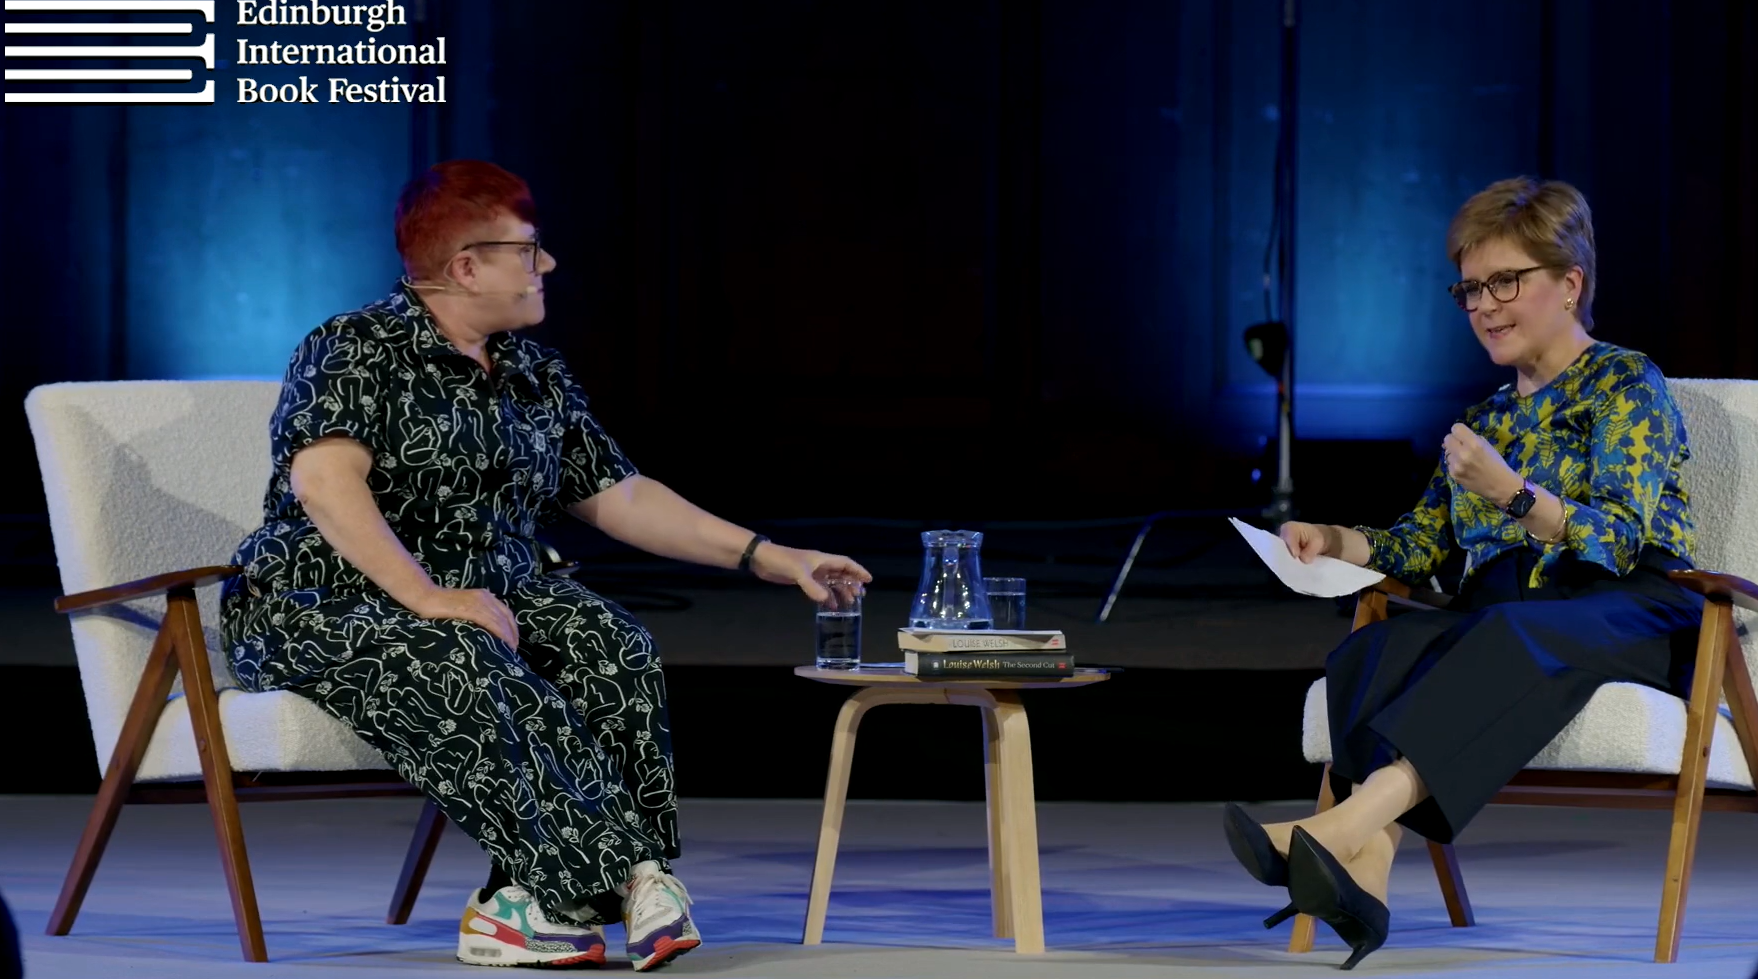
(1000, 898)
(1736, 682)
(1446, 870)
(1305, 926)
(125, 758)
(842, 754)
(1701, 712)
(428, 830)
(1019, 823)
(184, 618)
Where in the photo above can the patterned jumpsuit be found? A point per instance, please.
(555, 757)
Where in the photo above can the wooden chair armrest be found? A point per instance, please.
(197, 577)
(1418, 598)
(1716, 584)
(192, 578)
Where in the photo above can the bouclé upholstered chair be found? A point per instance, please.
(151, 484)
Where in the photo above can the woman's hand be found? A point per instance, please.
(1476, 465)
(1311, 541)
(807, 569)
(477, 605)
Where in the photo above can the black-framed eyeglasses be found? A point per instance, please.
(1503, 285)
(528, 250)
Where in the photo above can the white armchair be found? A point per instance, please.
(151, 484)
(1633, 746)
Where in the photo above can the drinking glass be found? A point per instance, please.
(839, 626)
(1007, 602)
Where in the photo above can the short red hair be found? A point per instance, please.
(438, 210)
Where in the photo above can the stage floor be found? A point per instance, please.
(1129, 890)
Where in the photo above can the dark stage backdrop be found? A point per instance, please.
(921, 259)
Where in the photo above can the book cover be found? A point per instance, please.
(980, 640)
(917, 663)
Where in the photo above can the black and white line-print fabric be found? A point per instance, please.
(555, 757)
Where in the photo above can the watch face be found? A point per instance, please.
(1521, 504)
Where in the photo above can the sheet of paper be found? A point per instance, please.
(1326, 577)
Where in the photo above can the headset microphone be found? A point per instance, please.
(514, 293)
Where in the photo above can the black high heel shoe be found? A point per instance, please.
(1322, 888)
(1251, 846)
(1281, 916)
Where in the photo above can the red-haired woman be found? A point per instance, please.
(418, 445)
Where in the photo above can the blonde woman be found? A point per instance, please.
(1562, 489)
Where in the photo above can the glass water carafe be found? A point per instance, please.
(951, 593)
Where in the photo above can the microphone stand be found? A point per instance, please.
(1281, 508)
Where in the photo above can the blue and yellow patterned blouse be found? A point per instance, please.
(1604, 436)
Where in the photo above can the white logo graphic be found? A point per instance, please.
(204, 51)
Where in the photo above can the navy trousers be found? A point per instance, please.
(1470, 694)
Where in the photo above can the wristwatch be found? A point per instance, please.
(750, 549)
(1522, 502)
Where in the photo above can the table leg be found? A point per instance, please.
(842, 754)
(1019, 822)
(1000, 899)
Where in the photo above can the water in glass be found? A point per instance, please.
(839, 626)
(1007, 601)
(839, 640)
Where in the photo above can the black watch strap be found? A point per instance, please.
(750, 549)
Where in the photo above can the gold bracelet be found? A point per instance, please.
(1562, 533)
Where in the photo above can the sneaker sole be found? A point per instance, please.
(492, 953)
(664, 950)
(492, 942)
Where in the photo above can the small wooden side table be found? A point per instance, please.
(1015, 897)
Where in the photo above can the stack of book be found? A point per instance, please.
(985, 652)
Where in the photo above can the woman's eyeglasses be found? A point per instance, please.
(1504, 286)
(528, 250)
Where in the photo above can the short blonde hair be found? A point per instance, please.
(1549, 219)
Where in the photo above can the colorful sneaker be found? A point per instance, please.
(656, 913)
(509, 928)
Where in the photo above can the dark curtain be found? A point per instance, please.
(992, 259)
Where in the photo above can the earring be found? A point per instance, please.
(1569, 303)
